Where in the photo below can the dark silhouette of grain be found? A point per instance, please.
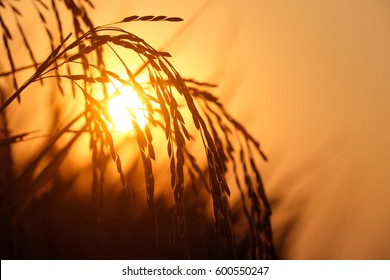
(169, 99)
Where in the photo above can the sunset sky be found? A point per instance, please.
(311, 81)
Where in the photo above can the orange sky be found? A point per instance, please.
(311, 80)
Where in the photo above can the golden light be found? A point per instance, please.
(125, 107)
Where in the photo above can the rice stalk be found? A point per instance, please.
(170, 99)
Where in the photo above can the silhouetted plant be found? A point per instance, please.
(184, 109)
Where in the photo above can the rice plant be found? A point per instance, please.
(208, 153)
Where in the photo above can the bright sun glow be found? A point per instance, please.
(124, 108)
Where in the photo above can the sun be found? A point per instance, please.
(125, 107)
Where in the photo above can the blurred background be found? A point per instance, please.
(310, 80)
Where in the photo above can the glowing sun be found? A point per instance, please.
(125, 108)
